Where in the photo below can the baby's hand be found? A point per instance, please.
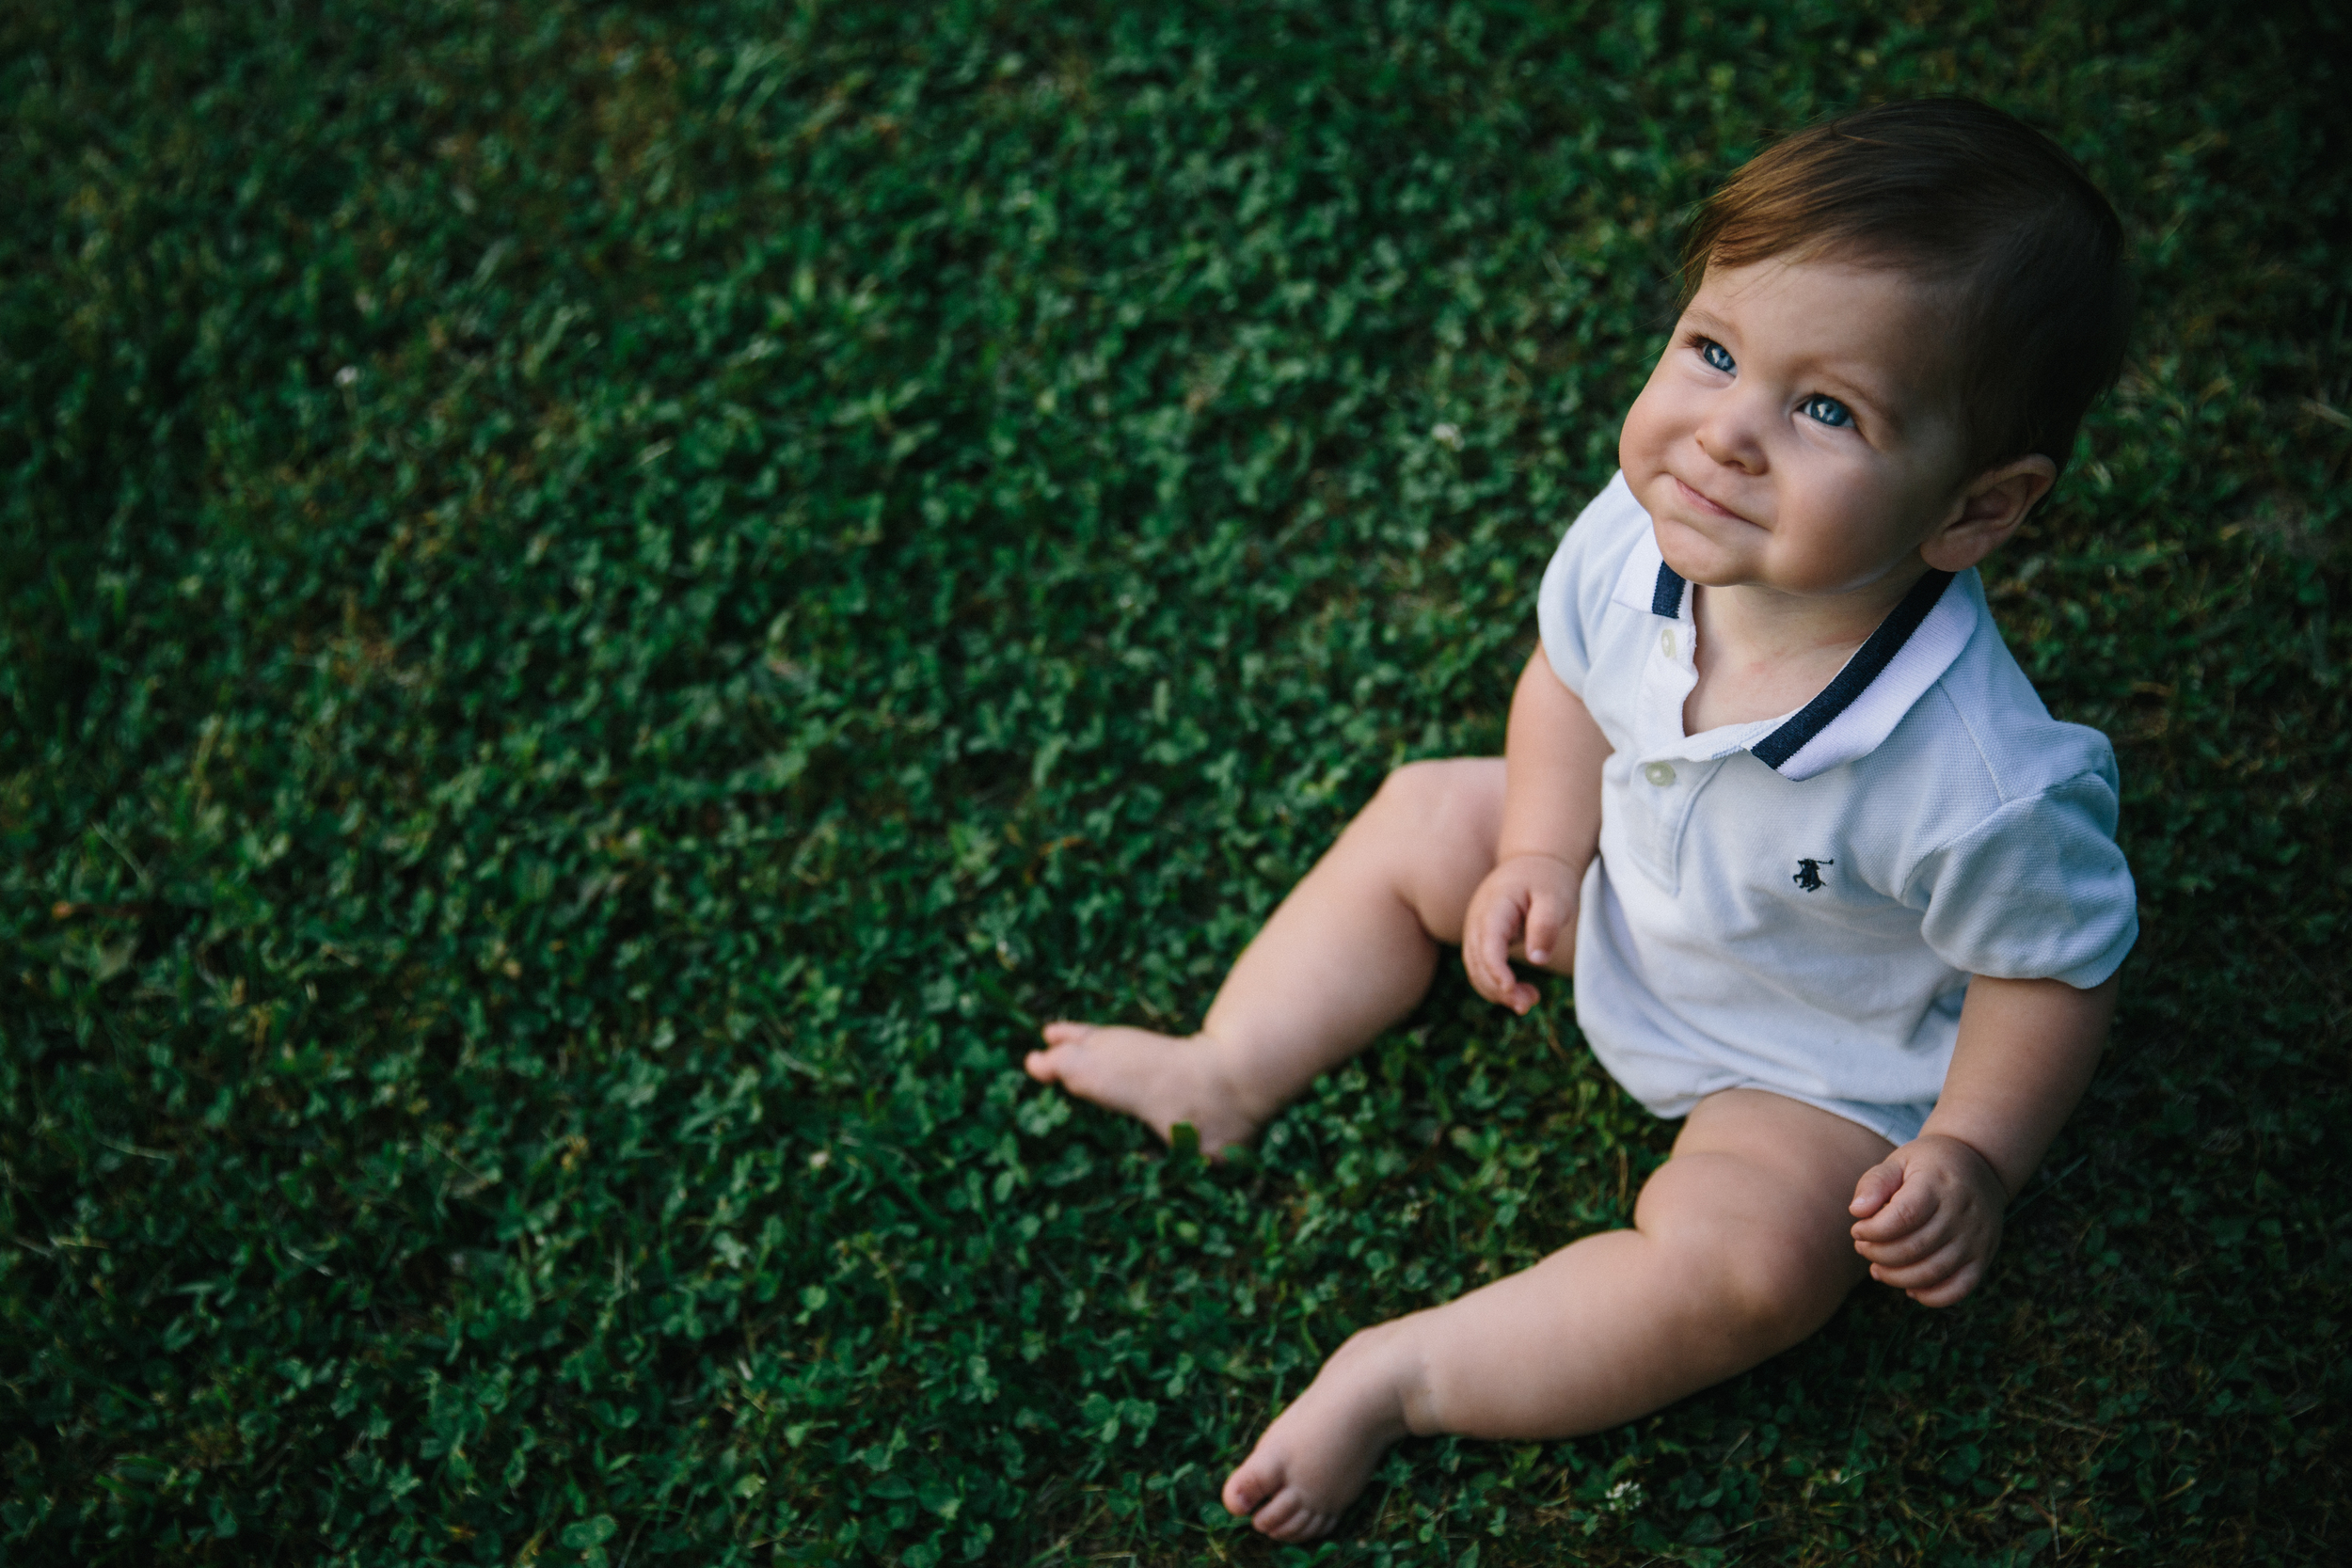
(1928, 1218)
(1528, 902)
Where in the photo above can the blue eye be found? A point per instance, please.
(1717, 356)
(1828, 411)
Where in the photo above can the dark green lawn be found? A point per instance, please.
(605, 606)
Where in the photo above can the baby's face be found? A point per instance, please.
(1796, 435)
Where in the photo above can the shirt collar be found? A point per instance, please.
(1860, 705)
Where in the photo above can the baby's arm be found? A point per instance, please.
(1550, 831)
(1929, 1216)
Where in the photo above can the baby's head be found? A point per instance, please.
(1892, 324)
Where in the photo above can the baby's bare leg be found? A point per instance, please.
(1740, 1248)
(1347, 954)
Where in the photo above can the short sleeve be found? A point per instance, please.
(1577, 584)
(2037, 891)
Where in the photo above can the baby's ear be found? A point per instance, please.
(1988, 510)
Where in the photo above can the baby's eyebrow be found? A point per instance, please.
(1695, 316)
(1879, 400)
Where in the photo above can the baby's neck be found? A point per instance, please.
(1762, 652)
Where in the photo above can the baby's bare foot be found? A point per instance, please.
(1318, 1453)
(1158, 1079)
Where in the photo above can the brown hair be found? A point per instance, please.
(1963, 197)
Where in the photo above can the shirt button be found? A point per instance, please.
(1659, 774)
(1666, 640)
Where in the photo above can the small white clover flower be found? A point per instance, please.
(1447, 435)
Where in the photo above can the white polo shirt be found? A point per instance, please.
(1796, 904)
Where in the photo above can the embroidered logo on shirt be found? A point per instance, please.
(1808, 877)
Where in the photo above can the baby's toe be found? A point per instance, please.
(1249, 1489)
(1283, 1516)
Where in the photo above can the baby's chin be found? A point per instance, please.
(1692, 556)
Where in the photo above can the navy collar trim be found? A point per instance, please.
(1666, 598)
(1865, 665)
(1855, 678)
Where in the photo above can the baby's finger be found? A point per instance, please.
(1878, 1184)
(1487, 948)
(1937, 1221)
(1545, 916)
(1913, 1205)
(1924, 1273)
(1474, 943)
(1964, 1280)
(1900, 1251)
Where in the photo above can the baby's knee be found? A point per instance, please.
(1413, 789)
(1779, 1289)
(1441, 800)
(1766, 1280)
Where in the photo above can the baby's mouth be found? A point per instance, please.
(1704, 504)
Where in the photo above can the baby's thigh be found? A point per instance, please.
(1760, 1183)
(1432, 828)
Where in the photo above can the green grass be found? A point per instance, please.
(605, 606)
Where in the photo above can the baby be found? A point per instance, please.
(1833, 884)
